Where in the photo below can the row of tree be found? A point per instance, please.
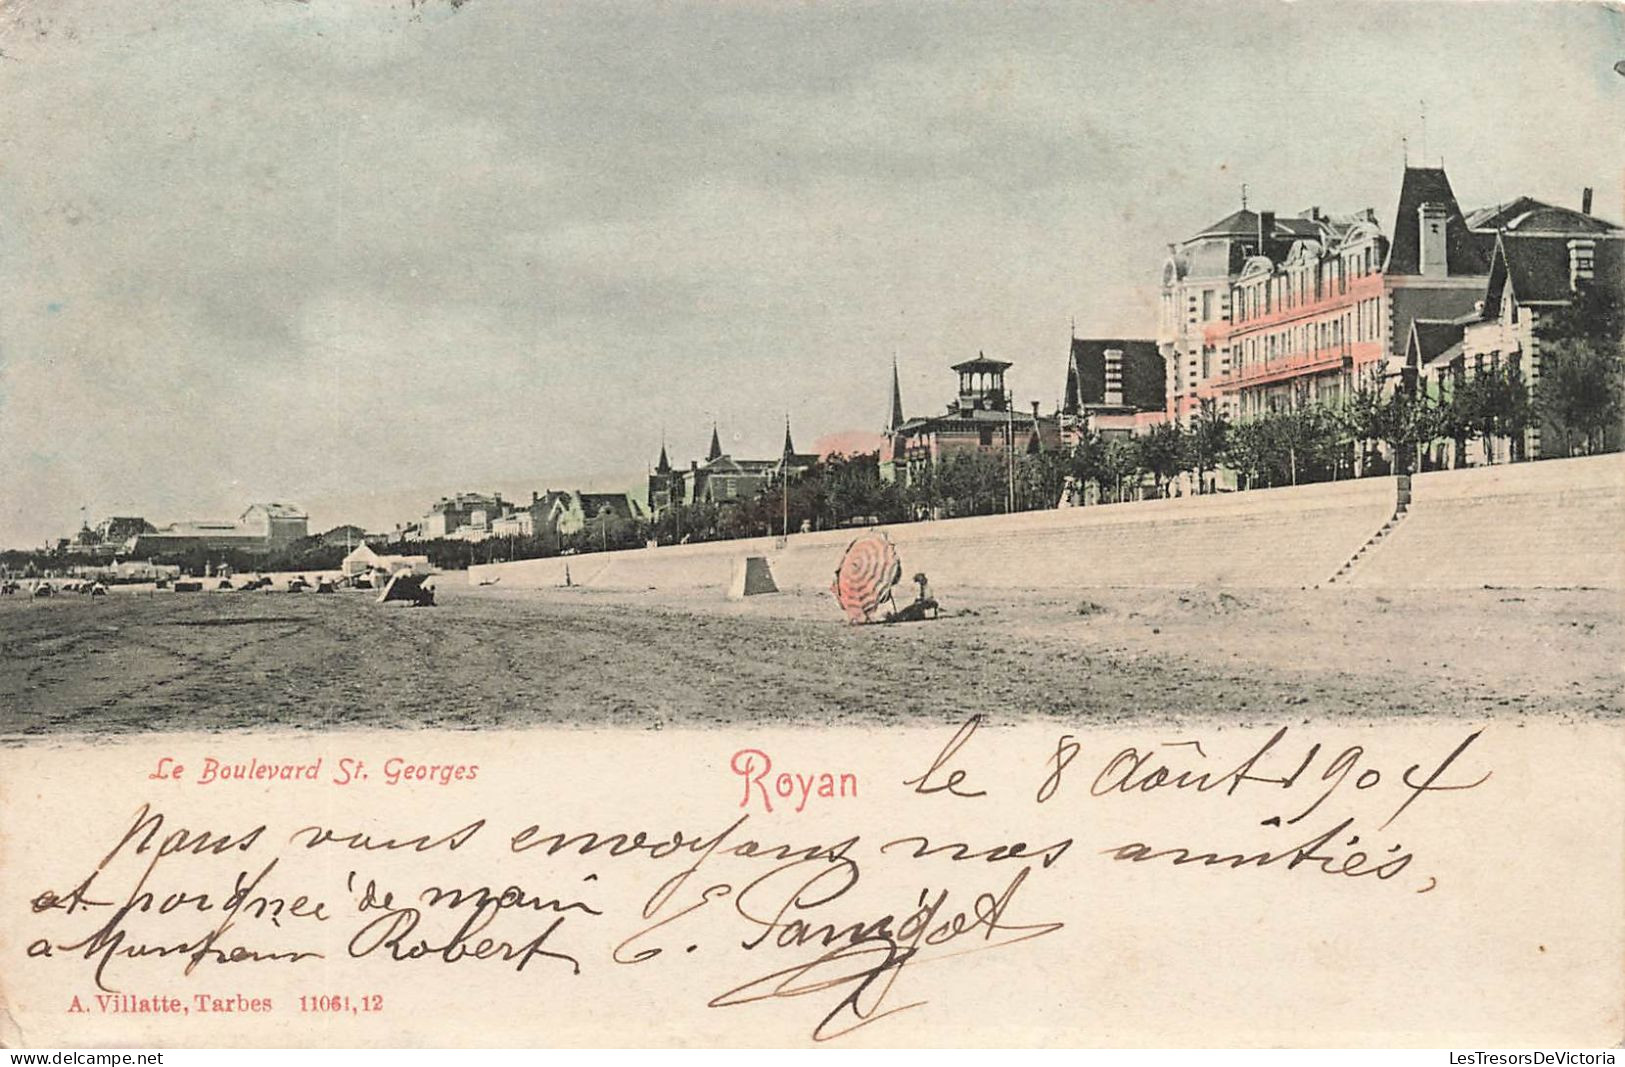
(1579, 399)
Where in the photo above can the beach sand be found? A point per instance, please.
(140, 661)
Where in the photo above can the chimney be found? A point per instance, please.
(1433, 222)
(1582, 261)
(1585, 200)
(1113, 391)
(1266, 230)
(1035, 411)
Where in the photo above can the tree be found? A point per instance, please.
(1119, 459)
(854, 489)
(1206, 441)
(1580, 391)
(1516, 409)
(1088, 460)
(1596, 314)
(921, 497)
(972, 483)
(1492, 403)
(1249, 450)
(1582, 367)
(1040, 479)
(1161, 453)
(1299, 439)
(1360, 419)
(1406, 421)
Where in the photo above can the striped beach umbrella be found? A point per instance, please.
(866, 575)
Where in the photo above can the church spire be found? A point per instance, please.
(716, 446)
(789, 446)
(896, 419)
(664, 466)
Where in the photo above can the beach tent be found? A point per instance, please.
(410, 588)
(363, 560)
(360, 560)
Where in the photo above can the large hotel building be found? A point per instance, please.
(1261, 313)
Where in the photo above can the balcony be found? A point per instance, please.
(1340, 357)
(1339, 300)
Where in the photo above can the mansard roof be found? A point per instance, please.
(1465, 253)
(1528, 215)
(278, 511)
(1244, 223)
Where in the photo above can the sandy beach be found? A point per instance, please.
(134, 662)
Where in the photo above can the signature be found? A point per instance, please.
(863, 960)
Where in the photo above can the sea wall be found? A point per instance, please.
(1277, 537)
(1553, 524)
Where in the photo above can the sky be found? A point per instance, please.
(359, 255)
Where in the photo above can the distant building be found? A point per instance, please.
(465, 517)
(665, 487)
(545, 510)
(261, 529)
(109, 538)
(210, 535)
(577, 511)
(1528, 217)
(279, 524)
(723, 479)
(1543, 258)
(520, 522)
(1113, 387)
(1261, 313)
(119, 529)
(1197, 282)
(347, 535)
(1334, 312)
(981, 419)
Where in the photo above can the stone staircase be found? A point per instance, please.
(1402, 505)
(1556, 523)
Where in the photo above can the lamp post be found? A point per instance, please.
(1009, 457)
